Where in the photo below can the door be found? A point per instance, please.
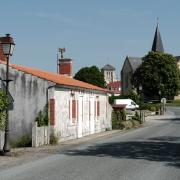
(80, 117)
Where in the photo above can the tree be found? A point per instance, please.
(91, 75)
(158, 75)
(3, 107)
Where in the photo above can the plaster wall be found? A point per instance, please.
(29, 93)
(65, 128)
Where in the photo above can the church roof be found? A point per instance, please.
(157, 43)
(108, 67)
(135, 62)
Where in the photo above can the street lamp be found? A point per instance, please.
(8, 47)
(140, 91)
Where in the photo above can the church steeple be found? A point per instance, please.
(157, 43)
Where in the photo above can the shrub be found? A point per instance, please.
(24, 141)
(42, 117)
(3, 107)
(54, 139)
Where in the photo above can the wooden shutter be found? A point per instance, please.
(52, 112)
(98, 108)
(73, 109)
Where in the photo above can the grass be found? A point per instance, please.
(174, 103)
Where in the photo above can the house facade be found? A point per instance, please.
(76, 109)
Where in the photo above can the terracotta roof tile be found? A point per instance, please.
(56, 78)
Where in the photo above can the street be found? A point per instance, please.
(151, 152)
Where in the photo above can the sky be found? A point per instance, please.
(94, 32)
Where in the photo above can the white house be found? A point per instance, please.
(76, 109)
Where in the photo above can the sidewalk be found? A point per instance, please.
(23, 155)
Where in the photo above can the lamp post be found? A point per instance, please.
(140, 91)
(8, 47)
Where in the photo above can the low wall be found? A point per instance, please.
(1, 139)
(40, 135)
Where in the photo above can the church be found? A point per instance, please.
(132, 63)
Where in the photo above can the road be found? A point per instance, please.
(148, 153)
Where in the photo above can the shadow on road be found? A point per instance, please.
(160, 149)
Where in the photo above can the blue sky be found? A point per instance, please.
(94, 32)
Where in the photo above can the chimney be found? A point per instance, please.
(65, 67)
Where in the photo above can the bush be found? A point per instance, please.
(54, 139)
(42, 117)
(3, 106)
(24, 141)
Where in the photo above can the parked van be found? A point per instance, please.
(130, 104)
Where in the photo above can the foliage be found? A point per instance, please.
(3, 107)
(91, 75)
(158, 75)
(174, 103)
(136, 117)
(131, 95)
(150, 106)
(24, 141)
(42, 117)
(54, 139)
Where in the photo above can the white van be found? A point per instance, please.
(130, 104)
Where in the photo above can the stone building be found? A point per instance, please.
(109, 73)
(132, 63)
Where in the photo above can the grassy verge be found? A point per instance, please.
(174, 103)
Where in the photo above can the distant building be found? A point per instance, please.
(109, 73)
(132, 63)
(115, 88)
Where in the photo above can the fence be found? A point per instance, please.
(1, 139)
(40, 135)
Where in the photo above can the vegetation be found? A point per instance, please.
(91, 75)
(42, 117)
(119, 121)
(3, 107)
(24, 141)
(54, 139)
(174, 103)
(158, 75)
(131, 95)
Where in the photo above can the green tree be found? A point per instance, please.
(158, 75)
(91, 75)
(3, 107)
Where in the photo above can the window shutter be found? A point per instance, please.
(98, 108)
(73, 109)
(52, 112)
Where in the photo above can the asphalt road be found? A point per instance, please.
(148, 153)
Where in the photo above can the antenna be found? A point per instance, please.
(62, 50)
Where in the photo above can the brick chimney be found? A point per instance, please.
(65, 67)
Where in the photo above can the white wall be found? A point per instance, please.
(29, 93)
(65, 128)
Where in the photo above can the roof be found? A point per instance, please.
(157, 43)
(114, 84)
(135, 62)
(108, 67)
(56, 78)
